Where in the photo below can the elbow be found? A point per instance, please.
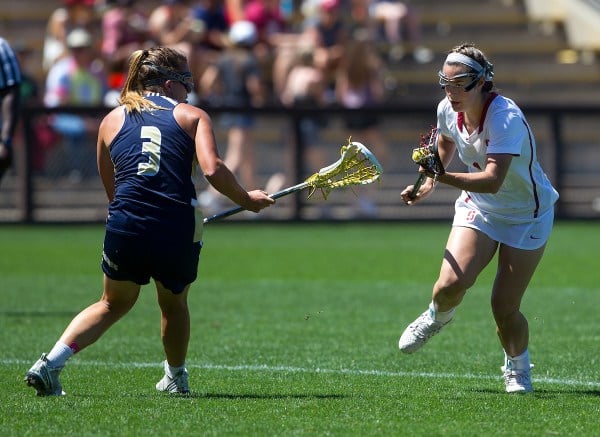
(211, 171)
(494, 186)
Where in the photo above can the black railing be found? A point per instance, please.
(567, 138)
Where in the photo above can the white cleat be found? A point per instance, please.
(44, 378)
(517, 381)
(176, 384)
(419, 332)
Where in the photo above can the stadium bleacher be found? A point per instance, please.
(528, 39)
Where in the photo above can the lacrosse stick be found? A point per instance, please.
(426, 155)
(356, 166)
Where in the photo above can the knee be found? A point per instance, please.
(451, 288)
(174, 308)
(117, 308)
(504, 312)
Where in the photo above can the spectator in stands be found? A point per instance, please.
(44, 136)
(234, 10)
(124, 30)
(273, 40)
(235, 81)
(328, 33)
(72, 14)
(172, 24)
(77, 80)
(10, 98)
(359, 85)
(305, 88)
(30, 88)
(210, 14)
(400, 25)
(267, 18)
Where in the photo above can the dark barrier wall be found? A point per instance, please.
(54, 178)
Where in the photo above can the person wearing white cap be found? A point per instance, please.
(242, 33)
(69, 15)
(235, 81)
(505, 208)
(76, 80)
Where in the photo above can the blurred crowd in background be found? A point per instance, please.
(242, 53)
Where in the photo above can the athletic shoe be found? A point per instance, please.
(44, 378)
(517, 381)
(176, 384)
(419, 332)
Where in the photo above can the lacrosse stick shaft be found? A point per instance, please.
(238, 209)
(417, 185)
(357, 165)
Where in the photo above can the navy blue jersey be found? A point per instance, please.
(154, 194)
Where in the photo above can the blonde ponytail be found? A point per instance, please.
(132, 95)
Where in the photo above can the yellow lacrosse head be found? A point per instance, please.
(356, 166)
(419, 154)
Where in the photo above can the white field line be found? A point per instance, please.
(290, 369)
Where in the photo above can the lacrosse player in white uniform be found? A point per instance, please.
(506, 206)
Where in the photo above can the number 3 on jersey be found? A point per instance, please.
(151, 139)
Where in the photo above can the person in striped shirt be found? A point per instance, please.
(10, 80)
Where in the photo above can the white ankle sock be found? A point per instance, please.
(59, 354)
(172, 371)
(440, 316)
(520, 362)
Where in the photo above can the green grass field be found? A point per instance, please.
(294, 332)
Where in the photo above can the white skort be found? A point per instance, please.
(520, 234)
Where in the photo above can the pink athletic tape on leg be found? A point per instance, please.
(74, 347)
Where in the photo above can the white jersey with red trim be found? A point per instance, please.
(526, 192)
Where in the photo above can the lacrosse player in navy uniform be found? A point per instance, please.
(147, 148)
(506, 207)
(10, 81)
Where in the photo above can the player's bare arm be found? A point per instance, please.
(489, 180)
(109, 127)
(199, 125)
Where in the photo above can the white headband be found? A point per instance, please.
(488, 71)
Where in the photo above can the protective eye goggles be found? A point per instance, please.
(186, 81)
(184, 78)
(457, 82)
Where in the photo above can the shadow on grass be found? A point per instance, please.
(269, 396)
(199, 395)
(547, 393)
(241, 396)
(29, 313)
